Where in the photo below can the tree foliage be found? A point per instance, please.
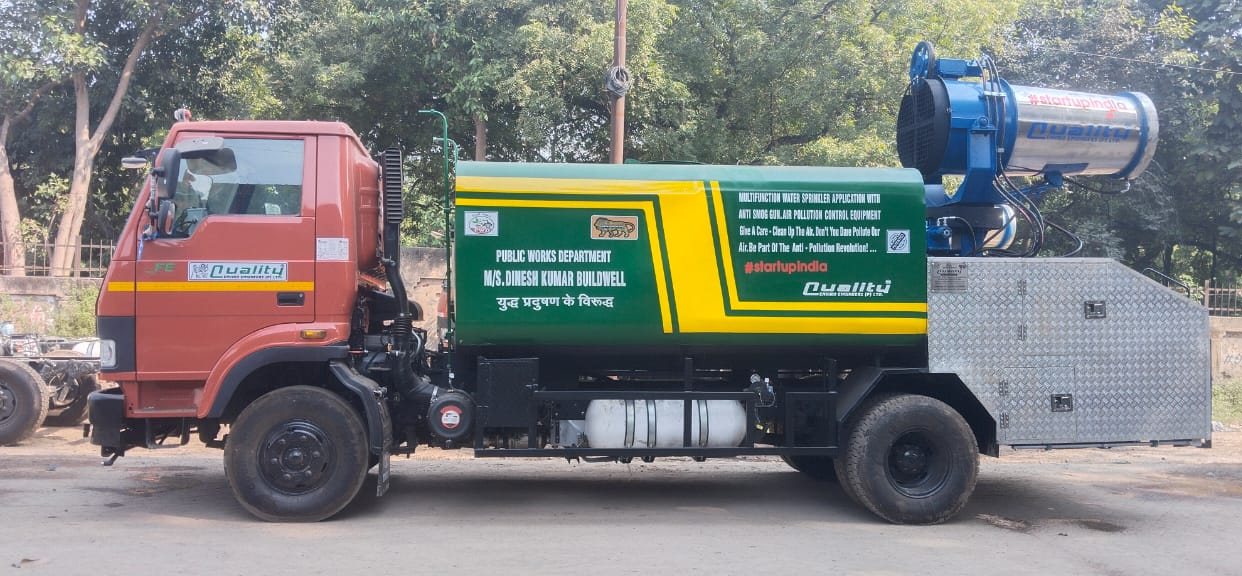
(727, 81)
(1177, 216)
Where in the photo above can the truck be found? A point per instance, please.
(861, 324)
(43, 380)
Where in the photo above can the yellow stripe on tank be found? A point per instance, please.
(575, 186)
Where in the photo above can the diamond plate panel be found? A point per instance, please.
(1017, 331)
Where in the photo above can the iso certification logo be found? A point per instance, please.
(898, 241)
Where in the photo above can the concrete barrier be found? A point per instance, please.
(31, 302)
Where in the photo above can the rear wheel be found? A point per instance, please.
(910, 460)
(23, 402)
(297, 454)
(818, 467)
(71, 394)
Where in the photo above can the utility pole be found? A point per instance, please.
(617, 83)
(480, 138)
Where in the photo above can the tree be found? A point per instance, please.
(1214, 162)
(805, 82)
(203, 56)
(556, 89)
(37, 58)
(88, 140)
(1176, 217)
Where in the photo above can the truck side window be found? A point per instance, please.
(247, 177)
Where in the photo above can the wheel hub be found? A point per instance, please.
(8, 404)
(910, 459)
(295, 458)
(916, 467)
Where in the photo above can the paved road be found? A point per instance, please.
(1132, 511)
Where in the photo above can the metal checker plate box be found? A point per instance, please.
(1072, 350)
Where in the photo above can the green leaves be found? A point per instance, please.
(726, 81)
(1182, 215)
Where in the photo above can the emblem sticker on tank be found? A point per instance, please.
(245, 271)
(898, 241)
(614, 227)
(482, 224)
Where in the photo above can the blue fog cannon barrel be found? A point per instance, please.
(960, 117)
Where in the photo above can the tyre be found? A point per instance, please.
(71, 395)
(818, 467)
(23, 402)
(296, 454)
(910, 460)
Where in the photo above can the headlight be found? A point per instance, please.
(107, 354)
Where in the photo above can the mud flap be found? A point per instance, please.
(385, 468)
(378, 421)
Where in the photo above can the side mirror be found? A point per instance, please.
(164, 180)
(167, 173)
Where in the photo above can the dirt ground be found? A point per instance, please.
(1120, 511)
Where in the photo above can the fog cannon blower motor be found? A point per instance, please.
(959, 117)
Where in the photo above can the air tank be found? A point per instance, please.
(659, 423)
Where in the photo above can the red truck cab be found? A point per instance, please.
(266, 232)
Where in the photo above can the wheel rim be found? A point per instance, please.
(296, 457)
(917, 466)
(8, 404)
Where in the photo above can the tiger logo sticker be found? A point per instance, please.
(614, 227)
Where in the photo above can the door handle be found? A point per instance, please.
(290, 298)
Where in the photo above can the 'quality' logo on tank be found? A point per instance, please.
(851, 290)
(1084, 133)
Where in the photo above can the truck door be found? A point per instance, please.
(241, 256)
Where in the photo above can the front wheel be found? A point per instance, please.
(910, 459)
(296, 454)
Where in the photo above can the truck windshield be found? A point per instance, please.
(264, 179)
